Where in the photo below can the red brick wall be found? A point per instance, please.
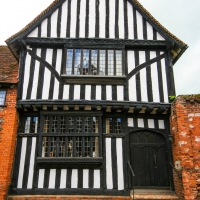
(8, 132)
(185, 127)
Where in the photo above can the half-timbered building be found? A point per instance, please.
(93, 97)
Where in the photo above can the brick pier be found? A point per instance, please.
(185, 128)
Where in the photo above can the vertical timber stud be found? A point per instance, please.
(169, 73)
(125, 20)
(144, 28)
(69, 177)
(41, 76)
(31, 75)
(59, 21)
(52, 79)
(160, 79)
(107, 19)
(39, 30)
(125, 148)
(135, 24)
(68, 19)
(49, 26)
(16, 163)
(78, 19)
(97, 20)
(116, 19)
(154, 34)
(87, 19)
(169, 153)
(126, 84)
(36, 170)
(149, 81)
(58, 177)
(23, 55)
(27, 162)
(138, 87)
(114, 162)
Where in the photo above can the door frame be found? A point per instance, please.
(165, 133)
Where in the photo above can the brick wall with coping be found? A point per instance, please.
(185, 128)
(9, 122)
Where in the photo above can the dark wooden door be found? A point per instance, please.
(148, 158)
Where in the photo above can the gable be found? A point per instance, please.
(110, 19)
(99, 19)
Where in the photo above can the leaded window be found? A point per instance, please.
(31, 124)
(70, 135)
(113, 125)
(102, 62)
(2, 97)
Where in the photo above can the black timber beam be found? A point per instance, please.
(138, 109)
(161, 110)
(69, 191)
(158, 108)
(106, 43)
(149, 109)
(92, 102)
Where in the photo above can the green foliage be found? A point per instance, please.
(172, 98)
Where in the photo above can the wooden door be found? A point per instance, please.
(148, 158)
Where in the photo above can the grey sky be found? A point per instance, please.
(179, 16)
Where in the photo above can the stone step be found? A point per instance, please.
(152, 194)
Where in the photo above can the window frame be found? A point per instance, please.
(3, 99)
(113, 126)
(22, 127)
(70, 161)
(94, 79)
(114, 117)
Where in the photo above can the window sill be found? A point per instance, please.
(59, 162)
(93, 79)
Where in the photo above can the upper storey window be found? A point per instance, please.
(2, 97)
(101, 62)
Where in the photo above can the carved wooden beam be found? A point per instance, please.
(87, 42)
(105, 106)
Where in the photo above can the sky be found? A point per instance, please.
(180, 17)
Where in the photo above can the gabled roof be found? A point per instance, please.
(178, 45)
(8, 66)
